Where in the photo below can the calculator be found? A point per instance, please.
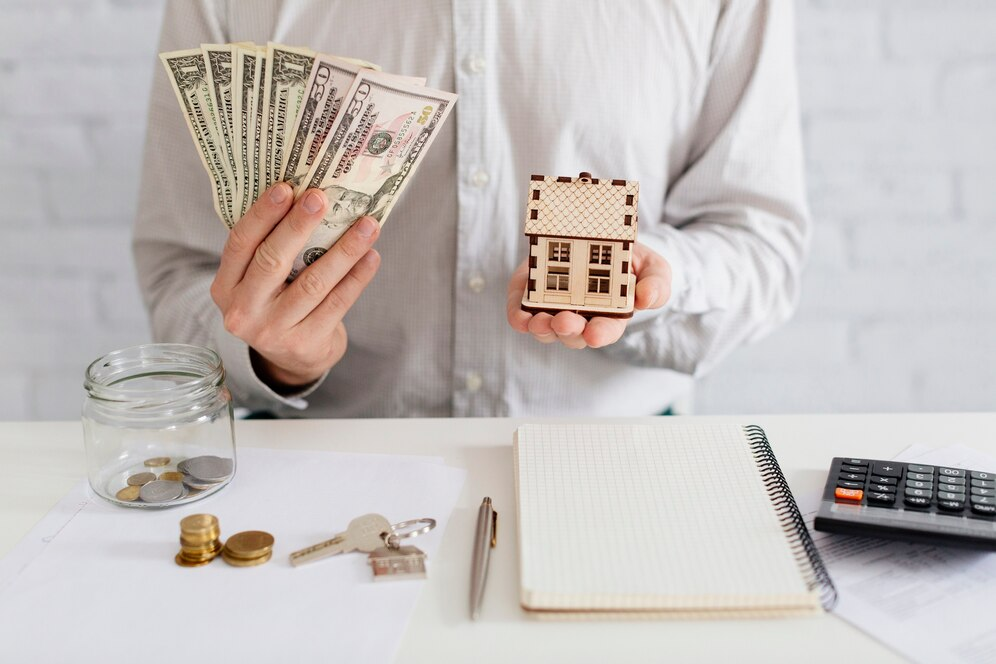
(909, 501)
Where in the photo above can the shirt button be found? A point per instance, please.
(474, 381)
(476, 283)
(476, 64)
(480, 178)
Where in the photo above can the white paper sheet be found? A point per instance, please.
(929, 603)
(97, 582)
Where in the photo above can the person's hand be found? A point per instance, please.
(653, 288)
(294, 330)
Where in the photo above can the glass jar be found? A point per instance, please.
(158, 426)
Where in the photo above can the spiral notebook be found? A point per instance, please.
(660, 520)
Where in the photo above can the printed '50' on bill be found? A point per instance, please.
(381, 135)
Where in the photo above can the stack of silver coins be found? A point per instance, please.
(159, 483)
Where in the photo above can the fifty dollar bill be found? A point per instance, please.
(381, 135)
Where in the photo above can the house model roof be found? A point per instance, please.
(582, 207)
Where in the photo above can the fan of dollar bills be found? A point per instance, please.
(260, 115)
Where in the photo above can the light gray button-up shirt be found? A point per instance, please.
(694, 99)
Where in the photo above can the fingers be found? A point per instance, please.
(274, 257)
(539, 327)
(653, 279)
(602, 331)
(249, 232)
(573, 331)
(319, 279)
(569, 328)
(330, 312)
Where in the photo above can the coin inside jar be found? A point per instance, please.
(140, 479)
(172, 476)
(157, 462)
(208, 468)
(161, 491)
(129, 493)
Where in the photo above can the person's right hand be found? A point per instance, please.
(294, 330)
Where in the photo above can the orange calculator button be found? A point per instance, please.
(849, 494)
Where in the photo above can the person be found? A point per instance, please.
(695, 99)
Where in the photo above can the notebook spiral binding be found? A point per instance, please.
(788, 512)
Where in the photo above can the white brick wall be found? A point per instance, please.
(899, 303)
(899, 118)
(74, 81)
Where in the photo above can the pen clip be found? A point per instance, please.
(494, 528)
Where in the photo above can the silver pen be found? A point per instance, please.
(484, 540)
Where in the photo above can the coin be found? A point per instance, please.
(172, 476)
(157, 462)
(196, 523)
(128, 493)
(243, 562)
(140, 479)
(209, 468)
(210, 550)
(184, 562)
(197, 484)
(161, 491)
(249, 544)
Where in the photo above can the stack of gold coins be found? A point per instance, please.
(200, 540)
(245, 549)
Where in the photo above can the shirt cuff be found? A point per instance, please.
(247, 388)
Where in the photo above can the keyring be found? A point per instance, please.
(393, 538)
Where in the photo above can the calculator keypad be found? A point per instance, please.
(920, 488)
(910, 502)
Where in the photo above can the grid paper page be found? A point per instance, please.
(649, 517)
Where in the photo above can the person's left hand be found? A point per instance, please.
(653, 288)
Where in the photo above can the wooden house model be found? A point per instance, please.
(581, 233)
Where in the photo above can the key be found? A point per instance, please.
(886, 469)
(952, 472)
(364, 533)
(878, 479)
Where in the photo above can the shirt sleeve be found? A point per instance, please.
(178, 237)
(736, 224)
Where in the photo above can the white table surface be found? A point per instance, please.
(41, 461)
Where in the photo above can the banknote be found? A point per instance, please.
(287, 73)
(258, 114)
(330, 80)
(257, 163)
(187, 73)
(380, 137)
(247, 70)
(219, 76)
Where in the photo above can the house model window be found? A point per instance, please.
(581, 233)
